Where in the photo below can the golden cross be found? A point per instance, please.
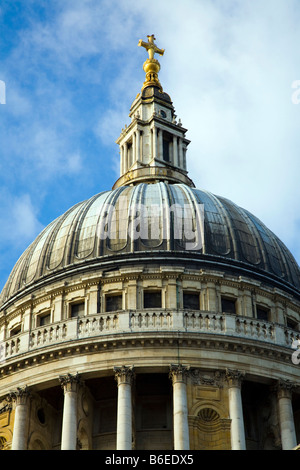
(151, 47)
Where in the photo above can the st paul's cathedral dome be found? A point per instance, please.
(153, 315)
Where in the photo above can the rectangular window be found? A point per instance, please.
(152, 299)
(262, 313)
(77, 310)
(113, 303)
(291, 323)
(15, 331)
(44, 319)
(228, 305)
(191, 300)
(166, 151)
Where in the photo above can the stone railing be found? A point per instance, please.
(126, 322)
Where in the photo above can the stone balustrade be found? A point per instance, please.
(125, 322)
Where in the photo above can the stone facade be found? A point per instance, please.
(207, 342)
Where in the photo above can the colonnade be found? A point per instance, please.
(130, 155)
(177, 157)
(133, 151)
(178, 374)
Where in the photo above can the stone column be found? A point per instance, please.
(138, 141)
(133, 148)
(122, 160)
(126, 163)
(124, 377)
(160, 144)
(154, 142)
(180, 153)
(175, 151)
(20, 432)
(286, 418)
(234, 379)
(70, 384)
(178, 374)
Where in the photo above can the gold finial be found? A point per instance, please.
(151, 66)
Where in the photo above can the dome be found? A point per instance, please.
(111, 226)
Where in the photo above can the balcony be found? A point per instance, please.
(146, 321)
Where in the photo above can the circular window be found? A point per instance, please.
(41, 415)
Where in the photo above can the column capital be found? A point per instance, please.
(234, 377)
(285, 388)
(70, 382)
(19, 396)
(124, 374)
(178, 373)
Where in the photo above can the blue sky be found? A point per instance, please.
(73, 68)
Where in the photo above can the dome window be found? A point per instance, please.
(15, 331)
(44, 319)
(262, 313)
(191, 301)
(77, 310)
(113, 302)
(167, 142)
(152, 299)
(290, 323)
(228, 305)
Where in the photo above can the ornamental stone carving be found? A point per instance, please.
(234, 377)
(19, 396)
(70, 382)
(199, 378)
(124, 374)
(285, 388)
(178, 373)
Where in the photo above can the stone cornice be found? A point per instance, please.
(248, 277)
(131, 341)
(203, 277)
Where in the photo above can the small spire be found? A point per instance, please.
(151, 67)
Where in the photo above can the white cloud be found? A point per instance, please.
(18, 219)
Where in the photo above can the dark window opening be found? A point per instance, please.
(166, 151)
(77, 310)
(113, 303)
(228, 305)
(191, 300)
(262, 313)
(291, 324)
(108, 416)
(153, 412)
(152, 299)
(44, 319)
(129, 153)
(15, 331)
(41, 415)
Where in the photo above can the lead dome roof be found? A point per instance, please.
(232, 237)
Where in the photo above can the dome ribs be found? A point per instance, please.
(233, 237)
